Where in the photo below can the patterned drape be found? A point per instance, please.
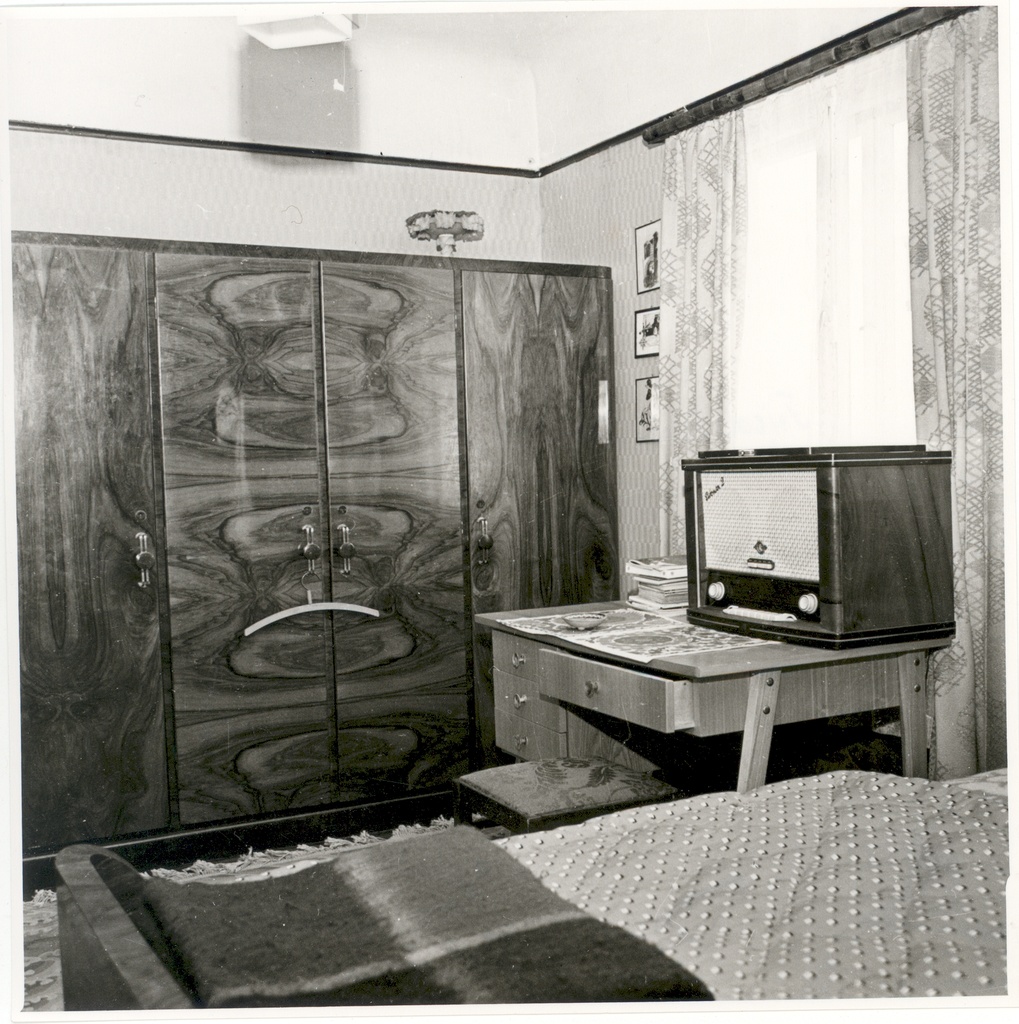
(702, 260)
(955, 263)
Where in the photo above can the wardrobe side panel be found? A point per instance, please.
(240, 450)
(537, 359)
(93, 743)
(402, 694)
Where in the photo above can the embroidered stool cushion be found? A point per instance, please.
(557, 791)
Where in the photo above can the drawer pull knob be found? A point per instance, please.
(521, 742)
(590, 687)
(518, 660)
(519, 699)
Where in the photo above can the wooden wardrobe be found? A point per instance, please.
(208, 435)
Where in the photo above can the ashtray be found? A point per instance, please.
(584, 620)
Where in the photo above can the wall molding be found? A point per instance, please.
(268, 149)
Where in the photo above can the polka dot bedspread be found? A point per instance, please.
(848, 884)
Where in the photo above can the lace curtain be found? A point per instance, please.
(955, 259)
(703, 246)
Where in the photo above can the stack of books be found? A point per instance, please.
(661, 582)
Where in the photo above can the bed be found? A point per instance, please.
(843, 885)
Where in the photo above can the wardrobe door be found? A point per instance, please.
(252, 714)
(93, 741)
(537, 356)
(402, 693)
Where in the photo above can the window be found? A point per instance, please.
(826, 352)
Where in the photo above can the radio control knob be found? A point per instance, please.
(716, 590)
(808, 603)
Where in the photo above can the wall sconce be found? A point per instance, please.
(282, 26)
(446, 228)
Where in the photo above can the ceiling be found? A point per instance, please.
(518, 85)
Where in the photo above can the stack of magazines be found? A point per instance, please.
(661, 582)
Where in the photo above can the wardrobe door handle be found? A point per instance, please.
(590, 688)
(485, 542)
(518, 660)
(144, 559)
(346, 550)
(309, 549)
(519, 700)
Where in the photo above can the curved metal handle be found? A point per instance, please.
(520, 742)
(346, 550)
(303, 609)
(519, 700)
(145, 559)
(485, 542)
(518, 660)
(590, 688)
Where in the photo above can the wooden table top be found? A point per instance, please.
(772, 655)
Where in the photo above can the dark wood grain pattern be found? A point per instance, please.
(535, 349)
(240, 446)
(394, 482)
(93, 744)
(895, 546)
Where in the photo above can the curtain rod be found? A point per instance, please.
(874, 36)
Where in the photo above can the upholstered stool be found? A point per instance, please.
(532, 795)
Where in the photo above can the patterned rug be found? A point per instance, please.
(43, 991)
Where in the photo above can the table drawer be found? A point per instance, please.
(520, 697)
(527, 739)
(656, 702)
(515, 654)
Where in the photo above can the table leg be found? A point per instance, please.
(912, 669)
(762, 701)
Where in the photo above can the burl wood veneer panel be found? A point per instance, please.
(240, 445)
(394, 482)
(542, 470)
(93, 742)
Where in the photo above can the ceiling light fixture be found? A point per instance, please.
(282, 26)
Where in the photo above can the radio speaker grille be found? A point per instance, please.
(763, 523)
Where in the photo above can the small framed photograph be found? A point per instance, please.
(646, 408)
(646, 332)
(648, 241)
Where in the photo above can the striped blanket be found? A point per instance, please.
(446, 918)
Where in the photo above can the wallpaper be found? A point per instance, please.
(148, 190)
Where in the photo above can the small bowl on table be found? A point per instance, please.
(584, 620)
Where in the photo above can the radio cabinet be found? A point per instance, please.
(830, 547)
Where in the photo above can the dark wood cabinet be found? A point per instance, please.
(437, 430)
(394, 483)
(538, 357)
(240, 434)
(93, 742)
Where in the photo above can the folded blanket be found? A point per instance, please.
(444, 918)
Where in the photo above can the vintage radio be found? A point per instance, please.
(832, 547)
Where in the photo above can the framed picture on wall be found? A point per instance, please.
(646, 250)
(646, 332)
(646, 408)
